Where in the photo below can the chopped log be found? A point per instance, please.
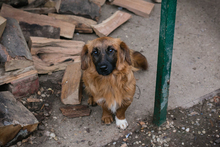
(46, 45)
(24, 86)
(83, 25)
(98, 2)
(17, 122)
(75, 111)
(42, 10)
(70, 84)
(38, 30)
(16, 49)
(81, 8)
(44, 68)
(2, 25)
(66, 29)
(139, 7)
(14, 3)
(110, 24)
(8, 77)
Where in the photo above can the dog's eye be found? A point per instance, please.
(95, 52)
(110, 49)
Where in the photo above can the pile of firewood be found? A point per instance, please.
(31, 44)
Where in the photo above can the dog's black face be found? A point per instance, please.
(105, 59)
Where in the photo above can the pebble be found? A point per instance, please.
(174, 131)
(199, 132)
(187, 130)
(182, 143)
(136, 136)
(165, 145)
(43, 95)
(183, 128)
(203, 131)
(114, 143)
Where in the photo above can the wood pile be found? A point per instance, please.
(36, 37)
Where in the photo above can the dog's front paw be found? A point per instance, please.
(91, 102)
(121, 123)
(107, 119)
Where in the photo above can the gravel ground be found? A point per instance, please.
(197, 126)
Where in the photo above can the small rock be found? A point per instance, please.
(165, 145)
(43, 95)
(41, 127)
(182, 143)
(168, 139)
(199, 132)
(114, 143)
(124, 145)
(174, 131)
(90, 143)
(52, 135)
(183, 128)
(187, 129)
(39, 93)
(203, 131)
(19, 143)
(136, 136)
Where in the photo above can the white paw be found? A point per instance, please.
(122, 124)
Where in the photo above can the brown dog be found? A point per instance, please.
(108, 66)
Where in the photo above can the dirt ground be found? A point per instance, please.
(195, 73)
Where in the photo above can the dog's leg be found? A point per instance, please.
(91, 101)
(106, 115)
(121, 122)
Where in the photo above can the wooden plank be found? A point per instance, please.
(110, 24)
(75, 111)
(98, 2)
(7, 77)
(66, 29)
(52, 46)
(42, 10)
(39, 30)
(139, 7)
(82, 8)
(20, 121)
(16, 49)
(70, 84)
(83, 25)
(2, 25)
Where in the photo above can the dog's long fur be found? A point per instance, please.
(113, 92)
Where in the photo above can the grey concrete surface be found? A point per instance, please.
(195, 69)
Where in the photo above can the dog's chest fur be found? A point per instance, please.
(113, 90)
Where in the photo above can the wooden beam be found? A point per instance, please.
(66, 29)
(139, 7)
(71, 84)
(98, 2)
(14, 47)
(75, 111)
(110, 24)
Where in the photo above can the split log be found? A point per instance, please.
(24, 86)
(54, 54)
(66, 29)
(98, 2)
(38, 30)
(40, 10)
(81, 8)
(83, 25)
(75, 111)
(70, 84)
(139, 7)
(42, 45)
(15, 47)
(20, 121)
(8, 77)
(110, 24)
(2, 25)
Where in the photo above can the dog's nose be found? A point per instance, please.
(103, 67)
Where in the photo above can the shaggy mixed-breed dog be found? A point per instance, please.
(108, 66)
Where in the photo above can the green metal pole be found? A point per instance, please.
(167, 26)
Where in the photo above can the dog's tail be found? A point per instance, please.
(139, 61)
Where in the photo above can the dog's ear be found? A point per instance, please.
(126, 52)
(84, 58)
